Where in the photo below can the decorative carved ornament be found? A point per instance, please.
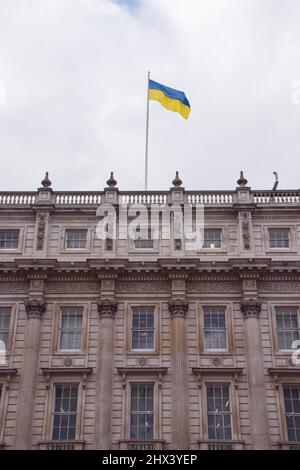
(178, 225)
(107, 308)
(245, 222)
(214, 286)
(251, 308)
(73, 218)
(35, 308)
(41, 225)
(143, 287)
(249, 284)
(177, 244)
(178, 307)
(13, 287)
(72, 287)
(108, 284)
(288, 286)
(36, 285)
(108, 244)
(14, 218)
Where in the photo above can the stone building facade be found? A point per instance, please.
(121, 344)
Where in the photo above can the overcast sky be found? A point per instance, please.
(73, 76)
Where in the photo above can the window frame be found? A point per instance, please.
(224, 238)
(283, 384)
(56, 322)
(284, 379)
(276, 326)
(219, 229)
(49, 406)
(137, 248)
(218, 379)
(89, 239)
(144, 352)
(273, 322)
(20, 246)
(228, 306)
(12, 326)
(218, 384)
(130, 412)
(53, 413)
(269, 229)
(204, 307)
(2, 408)
(60, 330)
(156, 237)
(293, 248)
(149, 379)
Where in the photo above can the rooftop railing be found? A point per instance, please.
(17, 198)
(276, 197)
(93, 198)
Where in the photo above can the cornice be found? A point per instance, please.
(7, 372)
(62, 370)
(217, 370)
(164, 268)
(284, 371)
(142, 370)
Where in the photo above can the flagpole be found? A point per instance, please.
(147, 132)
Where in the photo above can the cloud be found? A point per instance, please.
(75, 77)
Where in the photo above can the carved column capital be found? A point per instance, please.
(107, 308)
(178, 307)
(251, 308)
(35, 308)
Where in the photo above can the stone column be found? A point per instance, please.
(257, 399)
(180, 418)
(29, 372)
(107, 309)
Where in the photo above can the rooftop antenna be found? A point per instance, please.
(276, 181)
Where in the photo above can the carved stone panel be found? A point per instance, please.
(279, 286)
(214, 286)
(14, 287)
(41, 228)
(72, 287)
(141, 287)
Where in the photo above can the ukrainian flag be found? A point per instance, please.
(171, 99)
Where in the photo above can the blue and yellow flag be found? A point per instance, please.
(171, 99)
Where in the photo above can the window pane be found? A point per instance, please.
(292, 411)
(76, 238)
(142, 330)
(279, 238)
(65, 412)
(9, 239)
(141, 411)
(287, 326)
(215, 330)
(212, 238)
(71, 328)
(5, 314)
(144, 239)
(218, 411)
